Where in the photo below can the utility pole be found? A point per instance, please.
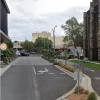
(54, 37)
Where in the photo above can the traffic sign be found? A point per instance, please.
(3, 46)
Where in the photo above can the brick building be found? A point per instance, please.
(4, 11)
(91, 39)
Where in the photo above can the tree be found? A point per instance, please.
(43, 43)
(9, 44)
(28, 46)
(73, 31)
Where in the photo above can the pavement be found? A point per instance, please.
(33, 78)
(93, 74)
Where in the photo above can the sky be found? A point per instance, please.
(28, 16)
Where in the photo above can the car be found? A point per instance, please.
(24, 54)
(33, 52)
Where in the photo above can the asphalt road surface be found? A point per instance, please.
(33, 78)
(93, 74)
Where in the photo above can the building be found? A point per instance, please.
(91, 41)
(17, 45)
(59, 44)
(4, 11)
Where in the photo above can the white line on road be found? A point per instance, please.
(62, 73)
(97, 78)
(39, 73)
(34, 70)
(51, 73)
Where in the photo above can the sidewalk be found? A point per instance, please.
(93, 78)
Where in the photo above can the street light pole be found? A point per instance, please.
(54, 37)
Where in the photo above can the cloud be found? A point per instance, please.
(29, 16)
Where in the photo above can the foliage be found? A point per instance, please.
(28, 46)
(92, 96)
(55, 63)
(43, 43)
(9, 44)
(86, 92)
(5, 54)
(74, 31)
(81, 90)
(67, 67)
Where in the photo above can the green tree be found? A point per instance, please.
(73, 31)
(28, 45)
(9, 44)
(43, 43)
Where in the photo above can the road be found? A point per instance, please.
(33, 78)
(93, 74)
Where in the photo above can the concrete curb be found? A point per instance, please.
(85, 83)
(6, 68)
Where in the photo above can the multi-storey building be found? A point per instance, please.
(91, 41)
(4, 11)
(59, 44)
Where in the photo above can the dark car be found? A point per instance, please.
(24, 54)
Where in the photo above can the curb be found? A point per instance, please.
(89, 86)
(6, 68)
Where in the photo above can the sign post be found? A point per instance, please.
(78, 77)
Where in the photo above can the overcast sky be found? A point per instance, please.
(29, 16)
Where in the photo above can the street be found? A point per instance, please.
(33, 78)
(93, 74)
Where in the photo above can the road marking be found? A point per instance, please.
(62, 73)
(97, 78)
(41, 71)
(51, 73)
(34, 70)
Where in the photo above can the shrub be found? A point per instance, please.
(60, 63)
(86, 92)
(71, 56)
(92, 96)
(81, 90)
(55, 63)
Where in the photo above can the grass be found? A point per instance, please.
(94, 61)
(88, 64)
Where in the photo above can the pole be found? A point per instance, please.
(54, 39)
(74, 56)
(78, 80)
(47, 42)
(44, 43)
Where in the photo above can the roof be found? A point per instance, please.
(6, 6)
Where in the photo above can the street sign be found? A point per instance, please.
(78, 75)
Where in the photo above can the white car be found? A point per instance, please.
(18, 53)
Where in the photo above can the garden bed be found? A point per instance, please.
(74, 96)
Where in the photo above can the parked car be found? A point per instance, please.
(18, 53)
(33, 52)
(24, 54)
